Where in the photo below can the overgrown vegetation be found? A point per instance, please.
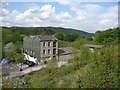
(101, 69)
(98, 69)
(109, 36)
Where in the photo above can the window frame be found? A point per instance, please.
(54, 44)
(53, 51)
(44, 44)
(49, 51)
(44, 52)
(49, 44)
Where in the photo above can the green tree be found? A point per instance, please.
(59, 36)
(6, 36)
(109, 36)
(70, 37)
(10, 54)
(19, 58)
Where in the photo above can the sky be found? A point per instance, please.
(86, 16)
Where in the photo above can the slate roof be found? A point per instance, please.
(47, 38)
(44, 38)
(93, 45)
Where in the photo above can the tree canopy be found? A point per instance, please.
(109, 36)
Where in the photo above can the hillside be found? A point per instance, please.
(66, 30)
(55, 29)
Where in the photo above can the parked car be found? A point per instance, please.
(25, 61)
(29, 63)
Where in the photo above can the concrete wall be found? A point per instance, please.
(35, 48)
(46, 48)
(32, 45)
(26, 44)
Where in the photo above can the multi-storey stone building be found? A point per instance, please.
(40, 47)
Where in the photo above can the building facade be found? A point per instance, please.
(40, 47)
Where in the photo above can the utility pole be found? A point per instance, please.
(21, 67)
(58, 55)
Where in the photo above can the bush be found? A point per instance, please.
(19, 58)
(102, 71)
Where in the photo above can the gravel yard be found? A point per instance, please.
(67, 53)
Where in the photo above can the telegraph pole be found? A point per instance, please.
(58, 55)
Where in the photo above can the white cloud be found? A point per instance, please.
(88, 17)
(92, 17)
(4, 11)
(104, 22)
(47, 11)
(92, 8)
(34, 22)
(47, 7)
(24, 15)
(4, 8)
(64, 2)
(1, 18)
(63, 16)
(86, 11)
(109, 19)
(81, 15)
(111, 13)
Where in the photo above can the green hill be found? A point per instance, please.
(67, 30)
(54, 29)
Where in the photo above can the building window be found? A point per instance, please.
(43, 51)
(54, 44)
(48, 44)
(54, 51)
(43, 44)
(48, 51)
